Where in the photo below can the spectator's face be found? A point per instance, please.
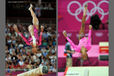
(6, 48)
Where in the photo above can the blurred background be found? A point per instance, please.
(19, 57)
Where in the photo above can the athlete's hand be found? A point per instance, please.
(90, 27)
(42, 28)
(15, 28)
(65, 33)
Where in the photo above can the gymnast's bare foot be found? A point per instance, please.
(30, 7)
(85, 10)
(86, 6)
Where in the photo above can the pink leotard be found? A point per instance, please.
(86, 42)
(35, 34)
(38, 39)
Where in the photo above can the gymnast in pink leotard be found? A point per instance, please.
(84, 42)
(30, 40)
(34, 40)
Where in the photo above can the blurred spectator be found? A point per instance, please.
(21, 63)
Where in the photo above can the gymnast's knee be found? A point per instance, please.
(35, 21)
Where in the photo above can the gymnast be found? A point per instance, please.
(34, 40)
(84, 43)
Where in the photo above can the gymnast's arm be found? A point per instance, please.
(26, 41)
(89, 34)
(72, 44)
(70, 41)
(40, 38)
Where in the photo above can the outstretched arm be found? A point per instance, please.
(69, 40)
(20, 34)
(26, 41)
(89, 34)
(40, 38)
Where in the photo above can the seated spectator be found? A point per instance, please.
(21, 63)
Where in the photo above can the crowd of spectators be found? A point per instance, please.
(20, 56)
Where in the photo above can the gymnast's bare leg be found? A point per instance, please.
(82, 30)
